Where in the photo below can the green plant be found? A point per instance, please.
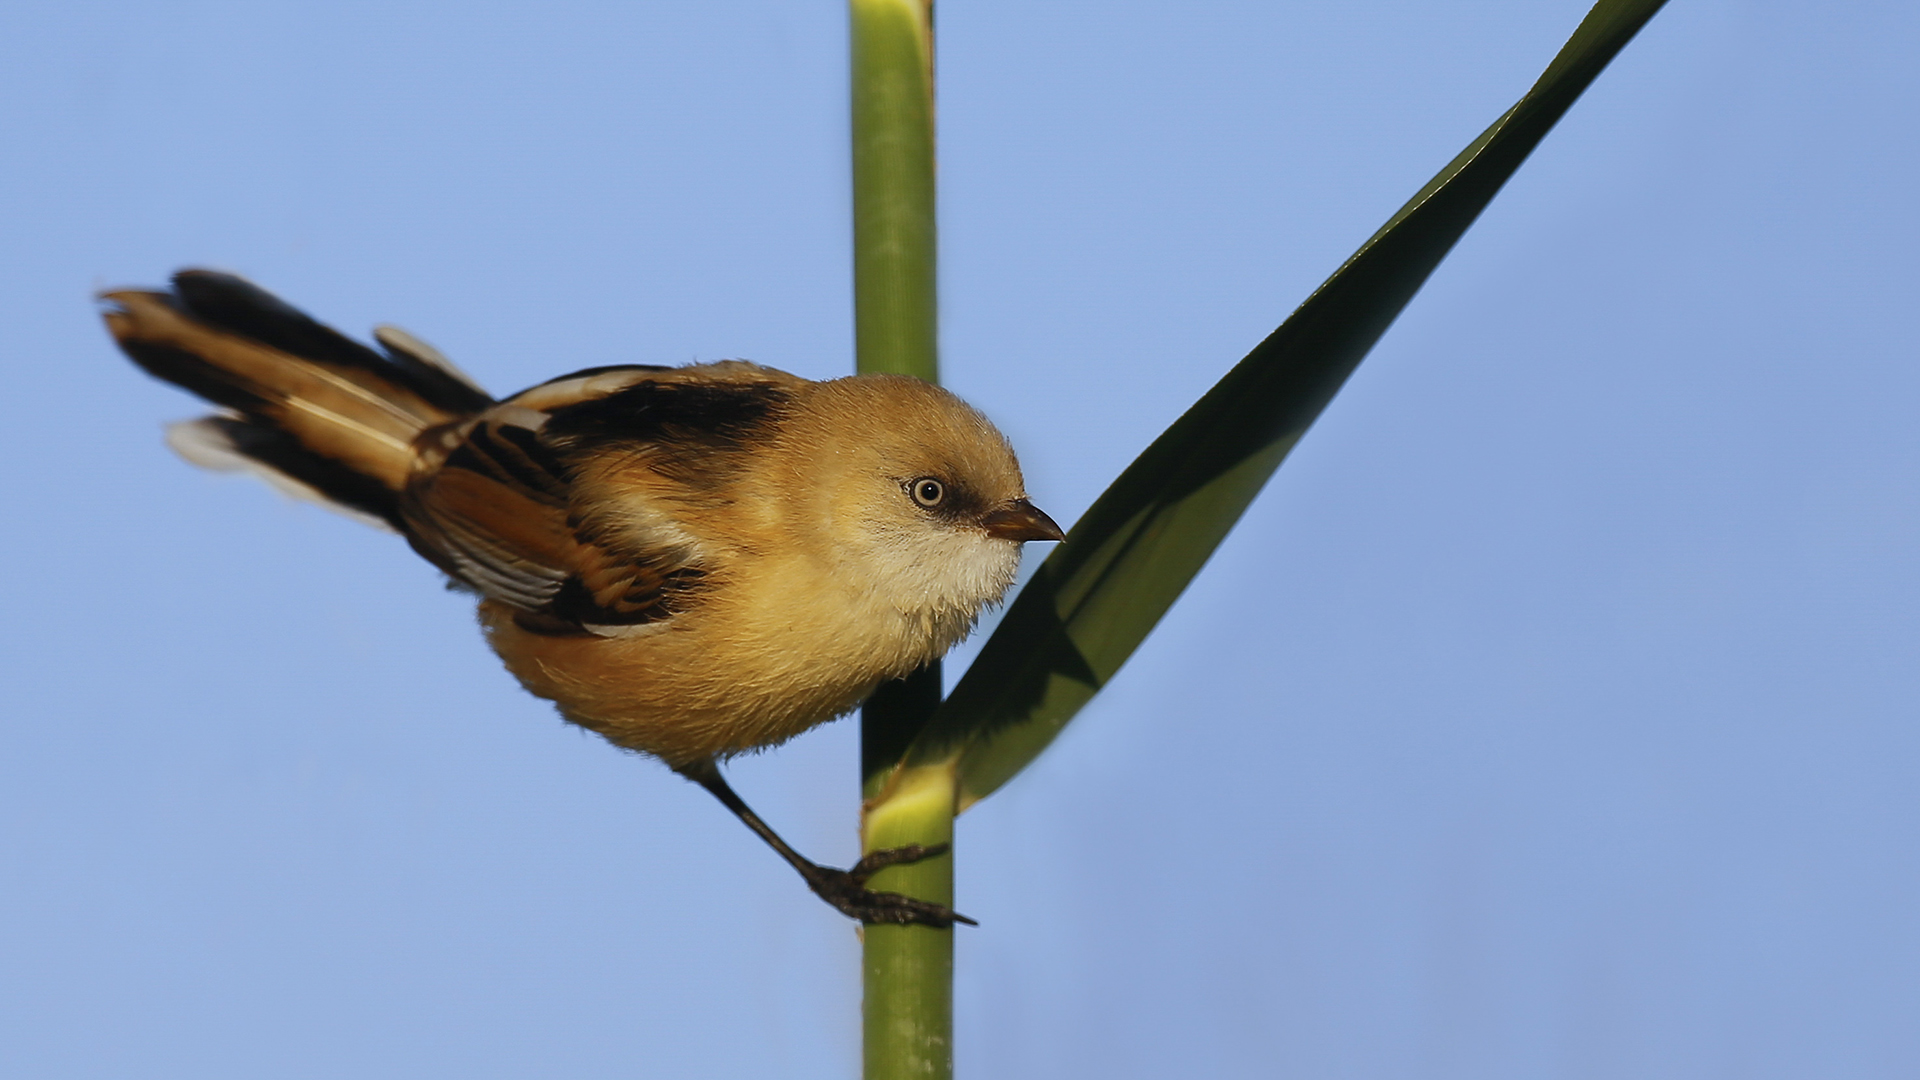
(1128, 559)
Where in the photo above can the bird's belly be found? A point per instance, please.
(713, 684)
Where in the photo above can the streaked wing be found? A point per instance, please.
(494, 514)
(563, 502)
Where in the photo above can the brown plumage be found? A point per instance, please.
(693, 562)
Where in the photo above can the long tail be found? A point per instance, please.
(310, 409)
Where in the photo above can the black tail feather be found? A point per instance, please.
(195, 374)
(231, 442)
(238, 305)
(313, 411)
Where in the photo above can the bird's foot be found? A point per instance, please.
(847, 890)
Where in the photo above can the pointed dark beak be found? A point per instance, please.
(1021, 520)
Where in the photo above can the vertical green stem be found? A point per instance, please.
(908, 1009)
(895, 323)
(908, 970)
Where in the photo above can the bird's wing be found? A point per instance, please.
(577, 502)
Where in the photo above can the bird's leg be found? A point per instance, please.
(845, 889)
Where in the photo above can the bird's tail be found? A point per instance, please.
(307, 407)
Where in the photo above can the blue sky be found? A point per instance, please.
(1552, 714)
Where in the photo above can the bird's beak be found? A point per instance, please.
(1021, 520)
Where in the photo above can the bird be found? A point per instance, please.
(692, 562)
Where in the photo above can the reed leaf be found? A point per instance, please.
(1130, 557)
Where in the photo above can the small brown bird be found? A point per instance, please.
(693, 562)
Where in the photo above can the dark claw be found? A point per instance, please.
(847, 891)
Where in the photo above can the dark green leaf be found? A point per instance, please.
(1134, 552)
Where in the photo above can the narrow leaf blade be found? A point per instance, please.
(1136, 549)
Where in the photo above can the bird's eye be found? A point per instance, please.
(927, 491)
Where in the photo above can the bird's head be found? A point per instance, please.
(925, 502)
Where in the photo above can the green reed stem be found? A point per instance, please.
(908, 1007)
